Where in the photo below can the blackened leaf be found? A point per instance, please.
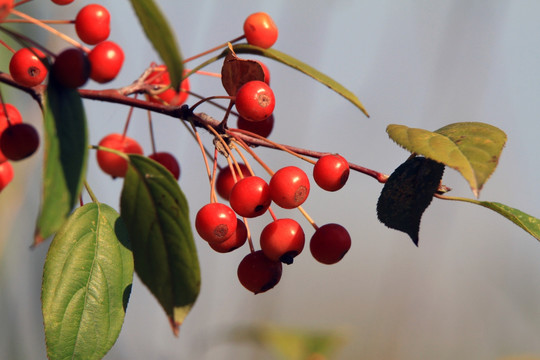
(236, 72)
(407, 193)
(157, 217)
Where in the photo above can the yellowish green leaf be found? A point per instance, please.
(472, 148)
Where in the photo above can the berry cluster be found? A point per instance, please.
(224, 226)
(29, 66)
(282, 239)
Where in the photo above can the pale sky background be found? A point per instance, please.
(472, 288)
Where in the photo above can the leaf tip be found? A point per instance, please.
(38, 239)
(175, 326)
(414, 238)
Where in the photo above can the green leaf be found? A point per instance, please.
(525, 221)
(302, 67)
(86, 284)
(157, 217)
(161, 36)
(472, 148)
(66, 152)
(407, 193)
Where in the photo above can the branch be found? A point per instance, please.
(201, 120)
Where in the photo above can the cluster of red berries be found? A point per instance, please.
(282, 239)
(73, 66)
(29, 67)
(224, 227)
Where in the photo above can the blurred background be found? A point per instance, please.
(471, 290)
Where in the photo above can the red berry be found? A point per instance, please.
(71, 68)
(283, 240)
(19, 141)
(260, 30)
(330, 243)
(14, 118)
(169, 161)
(289, 187)
(5, 8)
(62, 2)
(93, 24)
(250, 197)
(6, 174)
(331, 172)
(160, 76)
(255, 101)
(261, 128)
(215, 222)
(106, 60)
(257, 273)
(26, 67)
(114, 164)
(225, 180)
(235, 241)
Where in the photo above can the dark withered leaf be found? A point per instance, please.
(407, 194)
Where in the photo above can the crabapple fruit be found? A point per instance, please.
(215, 222)
(257, 273)
(289, 187)
(111, 163)
(282, 240)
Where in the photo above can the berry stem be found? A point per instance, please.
(50, 29)
(21, 2)
(308, 218)
(243, 159)
(24, 40)
(206, 73)
(213, 197)
(250, 241)
(124, 132)
(151, 127)
(4, 108)
(23, 21)
(3, 43)
(274, 144)
(255, 156)
(203, 151)
(215, 48)
(272, 213)
(193, 107)
(90, 192)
